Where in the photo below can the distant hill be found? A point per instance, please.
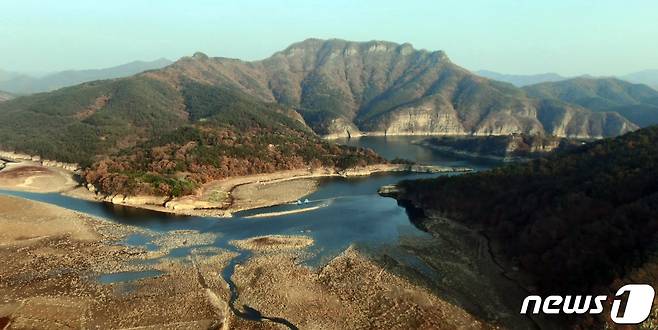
(8, 75)
(647, 77)
(637, 102)
(24, 84)
(577, 220)
(520, 80)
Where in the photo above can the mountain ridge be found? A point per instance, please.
(521, 80)
(350, 88)
(637, 102)
(26, 84)
(647, 77)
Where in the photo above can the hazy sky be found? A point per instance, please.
(599, 37)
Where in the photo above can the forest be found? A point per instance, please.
(177, 163)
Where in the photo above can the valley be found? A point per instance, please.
(326, 259)
(247, 193)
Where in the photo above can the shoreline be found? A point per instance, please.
(56, 278)
(487, 257)
(223, 198)
(468, 154)
(359, 134)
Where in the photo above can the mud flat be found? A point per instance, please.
(350, 292)
(51, 257)
(257, 195)
(273, 243)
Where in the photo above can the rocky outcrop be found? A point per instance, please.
(341, 128)
(389, 191)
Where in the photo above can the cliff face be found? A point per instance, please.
(343, 88)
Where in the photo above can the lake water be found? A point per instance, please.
(351, 212)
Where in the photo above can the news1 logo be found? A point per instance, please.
(637, 305)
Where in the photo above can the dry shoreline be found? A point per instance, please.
(46, 282)
(220, 198)
(52, 257)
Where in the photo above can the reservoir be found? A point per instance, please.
(344, 212)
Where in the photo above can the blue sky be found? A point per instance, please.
(569, 37)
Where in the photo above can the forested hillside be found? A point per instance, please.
(574, 220)
(143, 135)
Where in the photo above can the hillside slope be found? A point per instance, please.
(576, 220)
(344, 88)
(636, 102)
(141, 135)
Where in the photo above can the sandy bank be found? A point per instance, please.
(263, 194)
(282, 213)
(222, 198)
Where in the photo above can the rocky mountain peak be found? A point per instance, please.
(200, 56)
(341, 86)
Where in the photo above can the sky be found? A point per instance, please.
(602, 37)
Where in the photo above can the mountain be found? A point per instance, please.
(647, 77)
(142, 135)
(345, 88)
(577, 220)
(24, 84)
(205, 118)
(637, 102)
(4, 96)
(520, 80)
